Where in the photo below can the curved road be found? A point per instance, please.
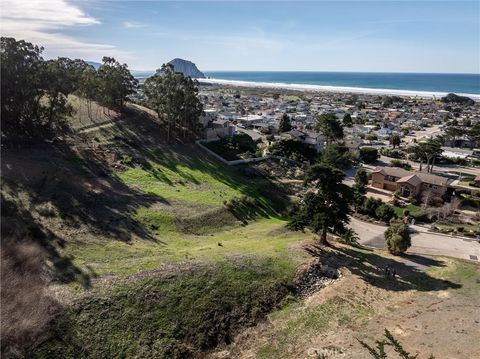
(423, 242)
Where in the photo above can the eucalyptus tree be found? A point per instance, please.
(62, 77)
(428, 152)
(175, 99)
(115, 83)
(21, 86)
(89, 87)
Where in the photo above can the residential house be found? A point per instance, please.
(462, 142)
(384, 133)
(310, 138)
(476, 181)
(249, 120)
(219, 129)
(207, 117)
(408, 183)
(353, 143)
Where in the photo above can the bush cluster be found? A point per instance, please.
(377, 209)
(232, 148)
(394, 153)
(294, 150)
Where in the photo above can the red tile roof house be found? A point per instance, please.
(476, 181)
(408, 183)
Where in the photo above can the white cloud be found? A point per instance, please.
(133, 24)
(41, 22)
(247, 43)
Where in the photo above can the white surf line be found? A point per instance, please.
(337, 89)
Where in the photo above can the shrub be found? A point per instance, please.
(385, 212)
(379, 351)
(368, 154)
(470, 201)
(398, 163)
(47, 210)
(397, 238)
(349, 237)
(294, 150)
(394, 153)
(231, 147)
(127, 160)
(420, 216)
(370, 206)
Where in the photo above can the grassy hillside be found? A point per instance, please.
(119, 244)
(176, 314)
(142, 239)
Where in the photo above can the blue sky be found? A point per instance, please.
(396, 36)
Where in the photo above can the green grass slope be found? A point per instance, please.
(161, 250)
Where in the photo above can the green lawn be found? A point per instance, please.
(412, 208)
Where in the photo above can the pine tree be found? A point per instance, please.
(284, 124)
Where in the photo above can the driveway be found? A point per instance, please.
(423, 242)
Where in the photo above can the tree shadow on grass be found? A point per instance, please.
(424, 261)
(371, 267)
(142, 137)
(77, 194)
(270, 197)
(19, 226)
(80, 187)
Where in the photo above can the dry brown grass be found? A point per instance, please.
(27, 309)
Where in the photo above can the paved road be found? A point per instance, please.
(437, 168)
(423, 242)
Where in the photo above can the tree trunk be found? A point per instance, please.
(89, 108)
(184, 127)
(168, 131)
(323, 237)
(431, 166)
(428, 164)
(53, 103)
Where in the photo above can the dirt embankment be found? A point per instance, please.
(431, 308)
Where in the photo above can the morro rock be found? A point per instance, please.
(187, 68)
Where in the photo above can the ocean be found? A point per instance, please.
(458, 83)
(390, 82)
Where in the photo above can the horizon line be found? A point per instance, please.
(335, 71)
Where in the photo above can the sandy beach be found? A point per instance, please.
(335, 89)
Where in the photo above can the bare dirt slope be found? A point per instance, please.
(432, 308)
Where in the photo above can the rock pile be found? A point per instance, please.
(318, 276)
